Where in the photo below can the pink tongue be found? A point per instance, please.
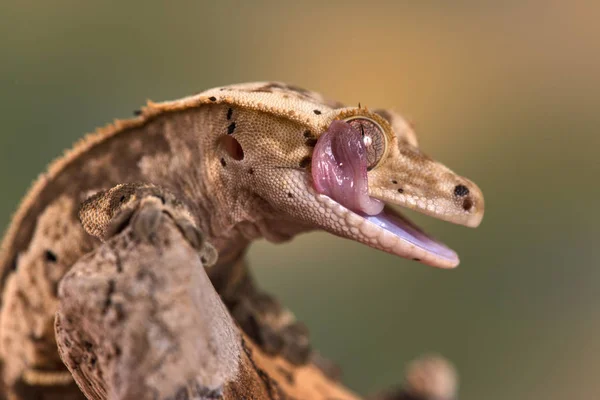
(339, 168)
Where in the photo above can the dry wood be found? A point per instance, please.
(139, 319)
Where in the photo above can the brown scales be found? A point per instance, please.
(262, 189)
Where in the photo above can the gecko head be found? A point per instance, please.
(365, 161)
(359, 164)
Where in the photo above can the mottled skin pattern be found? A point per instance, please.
(238, 159)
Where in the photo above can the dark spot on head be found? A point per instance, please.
(93, 361)
(223, 162)
(122, 199)
(50, 256)
(312, 142)
(232, 147)
(231, 128)
(251, 171)
(467, 204)
(400, 190)
(203, 260)
(290, 195)
(307, 134)
(137, 112)
(212, 98)
(87, 345)
(461, 190)
(394, 181)
(317, 112)
(117, 351)
(229, 113)
(305, 162)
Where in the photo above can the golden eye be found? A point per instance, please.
(373, 138)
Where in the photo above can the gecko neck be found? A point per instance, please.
(191, 166)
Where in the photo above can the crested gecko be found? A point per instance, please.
(247, 161)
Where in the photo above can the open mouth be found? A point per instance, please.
(339, 171)
(403, 229)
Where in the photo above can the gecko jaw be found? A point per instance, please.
(388, 231)
(339, 172)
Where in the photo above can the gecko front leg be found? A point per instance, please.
(106, 213)
(273, 328)
(139, 318)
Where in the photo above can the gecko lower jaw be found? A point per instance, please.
(389, 231)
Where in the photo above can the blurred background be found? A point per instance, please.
(505, 93)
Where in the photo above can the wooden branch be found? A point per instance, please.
(139, 319)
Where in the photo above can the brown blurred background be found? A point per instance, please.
(506, 93)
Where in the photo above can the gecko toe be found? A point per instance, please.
(146, 220)
(208, 254)
(190, 233)
(117, 224)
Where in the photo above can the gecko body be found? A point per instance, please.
(246, 161)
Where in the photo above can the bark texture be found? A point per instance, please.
(140, 319)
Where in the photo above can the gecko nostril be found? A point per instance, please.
(467, 204)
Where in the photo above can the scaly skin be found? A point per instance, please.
(238, 158)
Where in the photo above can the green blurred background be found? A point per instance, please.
(505, 93)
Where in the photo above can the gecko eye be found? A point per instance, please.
(373, 138)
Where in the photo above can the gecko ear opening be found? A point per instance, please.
(232, 147)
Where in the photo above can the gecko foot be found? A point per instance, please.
(143, 206)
